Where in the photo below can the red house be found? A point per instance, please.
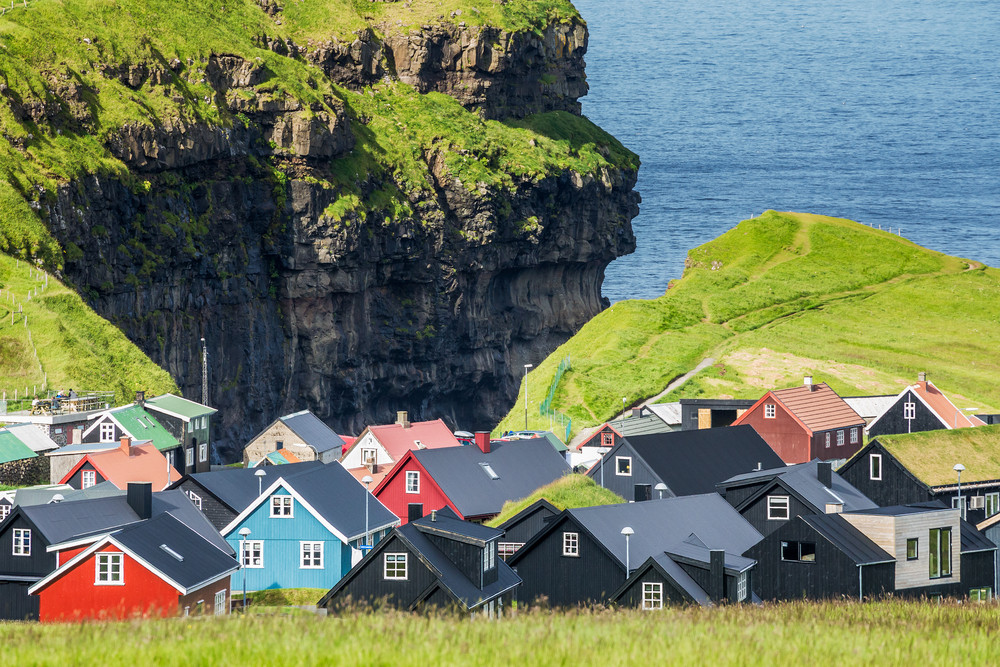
(474, 481)
(806, 423)
(156, 567)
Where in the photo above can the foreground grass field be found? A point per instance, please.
(778, 297)
(804, 634)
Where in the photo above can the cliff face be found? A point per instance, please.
(240, 235)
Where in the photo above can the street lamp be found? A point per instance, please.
(627, 532)
(244, 533)
(661, 487)
(961, 508)
(526, 367)
(366, 480)
(260, 480)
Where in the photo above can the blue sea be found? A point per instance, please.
(883, 112)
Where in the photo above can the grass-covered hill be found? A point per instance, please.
(778, 297)
(568, 491)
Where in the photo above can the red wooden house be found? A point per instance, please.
(156, 567)
(805, 423)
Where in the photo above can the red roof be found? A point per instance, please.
(818, 409)
(141, 463)
(398, 440)
(945, 409)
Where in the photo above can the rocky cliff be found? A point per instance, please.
(369, 242)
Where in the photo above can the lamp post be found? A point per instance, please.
(627, 532)
(366, 480)
(260, 474)
(661, 487)
(244, 533)
(961, 508)
(526, 367)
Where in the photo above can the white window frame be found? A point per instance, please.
(652, 595)
(189, 456)
(21, 542)
(310, 555)
(991, 504)
(220, 602)
(770, 411)
(778, 504)
(114, 574)
(618, 469)
(909, 410)
(203, 452)
(195, 499)
(394, 566)
(252, 553)
(413, 481)
(854, 435)
(875, 467)
(571, 545)
(88, 478)
(840, 438)
(107, 431)
(282, 507)
(741, 587)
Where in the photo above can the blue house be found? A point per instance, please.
(306, 531)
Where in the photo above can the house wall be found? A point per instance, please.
(394, 496)
(74, 596)
(76, 480)
(897, 486)
(566, 581)
(632, 596)
(205, 595)
(784, 434)
(267, 442)
(220, 515)
(369, 585)
(892, 420)
(756, 512)
(282, 550)
(624, 485)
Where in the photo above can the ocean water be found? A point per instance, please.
(887, 113)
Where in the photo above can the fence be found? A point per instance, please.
(545, 409)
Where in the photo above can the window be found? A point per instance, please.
(607, 440)
(88, 478)
(571, 544)
(769, 411)
(508, 549)
(109, 570)
(623, 466)
(940, 552)
(22, 542)
(777, 507)
(369, 457)
(195, 499)
(281, 507)
(909, 410)
(875, 466)
(189, 457)
(395, 566)
(252, 553)
(741, 587)
(413, 481)
(981, 594)
(107, 432)
(203, 452)
(312, 555)
(840, 438)
(992, 504)
(652, 595)
(854, 435)
(912, 552)
(220, 603)
(4, 511)
(827, 439)
(800, 552)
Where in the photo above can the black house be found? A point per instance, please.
(768, 499)
(582, 556)
(687, 462)
(522, 526)
(437, 561)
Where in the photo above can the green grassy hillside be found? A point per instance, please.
(778, 297)
(814, 634)
(568, 491)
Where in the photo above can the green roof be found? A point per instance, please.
(143, 426)
(12, 449)
(932, 455)
(180, 407)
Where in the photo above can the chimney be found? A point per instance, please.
(126, 445)
(483, 441)
(75, 436)
(140, 498)
(809, 383)
(717, 575)
(922, 376)
(824, 473)
(140, 398)
(403, 418)
(434, 515)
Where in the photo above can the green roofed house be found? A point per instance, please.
(139, 424)
(19, 465)
(188, 421)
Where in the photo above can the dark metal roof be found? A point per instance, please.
(157, 540)
(313, 431)
(802, 479)
(692, 462)
(855, 544)
(521, 467)
(237, 487)
(662, 525)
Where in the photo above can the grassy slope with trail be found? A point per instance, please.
(778, 297)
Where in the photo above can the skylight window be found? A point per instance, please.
(488, 469)
(172, 552)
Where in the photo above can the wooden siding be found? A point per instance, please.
(892, 420)
(897, 486)
(369, 585)
(220, 515)
(392, 493)
(832, 575)
(756, 512)
(786, 436)
(624, 485)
